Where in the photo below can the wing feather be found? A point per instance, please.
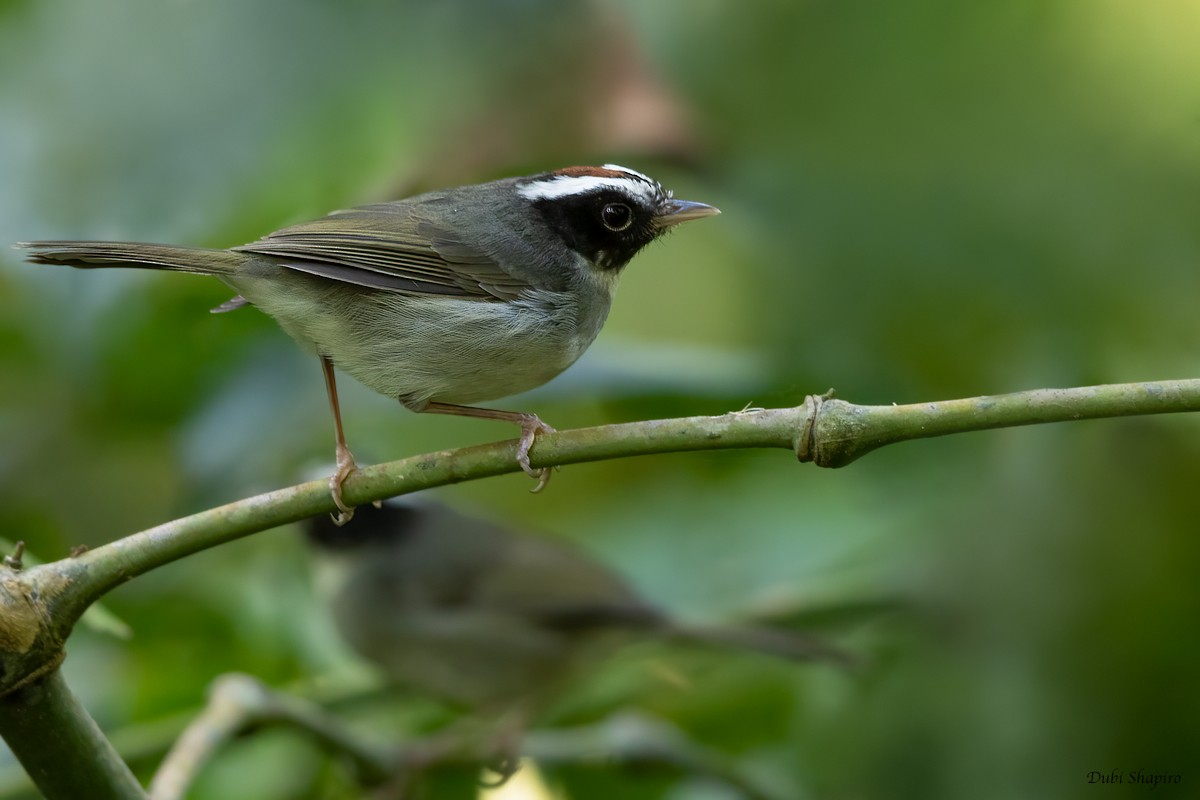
(390, 247)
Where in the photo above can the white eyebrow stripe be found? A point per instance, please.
(565, 186)
(632, 172)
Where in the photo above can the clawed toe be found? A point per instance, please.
(543, 477)
(531, 426)
(345, 468)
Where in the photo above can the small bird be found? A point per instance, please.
(488, 617)
(441, 300)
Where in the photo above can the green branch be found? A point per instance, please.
(60, 746)
(844, 432)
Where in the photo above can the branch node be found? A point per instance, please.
(37, 673)
(806, 442)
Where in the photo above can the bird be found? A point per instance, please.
(441, 300)
(491, 618)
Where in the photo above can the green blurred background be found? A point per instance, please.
(923, 200)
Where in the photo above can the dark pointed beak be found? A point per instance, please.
(674, 212)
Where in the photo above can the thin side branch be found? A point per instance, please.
(238, 702)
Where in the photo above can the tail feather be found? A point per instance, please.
(89, 255)
(786, 644)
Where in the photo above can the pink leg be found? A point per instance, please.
(345, 459)
(530, 424)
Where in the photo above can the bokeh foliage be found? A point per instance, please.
(923, 200)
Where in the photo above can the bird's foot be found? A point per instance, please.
(531, 426)
(345, 468)
(504, 744)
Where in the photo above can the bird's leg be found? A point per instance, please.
(345, 459)
(495, 745)
(530, 424)
(504, 742)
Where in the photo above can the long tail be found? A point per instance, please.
(786, 644)
(90, 255)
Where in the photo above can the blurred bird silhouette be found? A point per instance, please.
(484, 616)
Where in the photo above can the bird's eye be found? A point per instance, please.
(616, 216)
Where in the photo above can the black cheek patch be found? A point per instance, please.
(577, 220)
